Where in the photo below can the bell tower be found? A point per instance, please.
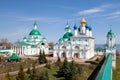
(111, 47)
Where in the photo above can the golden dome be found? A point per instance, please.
(83, 22)
(14, 51)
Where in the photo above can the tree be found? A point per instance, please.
(5, 43)
(28, 72)
(58, 62)
(73, 69)
(8, 76)
(65, 70)
(68, 70)
(33, 75)
(51, 45)
(21, 74)
(44, 76)
(42, 59)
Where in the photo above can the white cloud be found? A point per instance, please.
(113, 15)
(89, 11)
(93, 10)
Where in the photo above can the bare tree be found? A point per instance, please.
(4, 43)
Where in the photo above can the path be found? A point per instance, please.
(16, 72)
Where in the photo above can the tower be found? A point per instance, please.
(110, 47)
(90, 31)
(75, 30)
(87, 30)
(83, 23)
(67, 28)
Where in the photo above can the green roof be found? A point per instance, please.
(67, 35)
(14, 56)
(110, 32)
(34, 32)
(61, 40)
(67, 26)
(99, 48)
(22, 43)
(35, 23)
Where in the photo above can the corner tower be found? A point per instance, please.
(110, 47)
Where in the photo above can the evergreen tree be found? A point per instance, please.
(42, 59)
(21, 74)
(68, 70)
(73, 69)
(44, 76)
(65, 70)
(8, 76)
(45, 60)
(33, 74)
(58, 62)
(28, 72)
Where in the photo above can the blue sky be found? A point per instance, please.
(17, 17)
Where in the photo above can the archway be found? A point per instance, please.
(63, 47)
(76, 55)
(64, 54)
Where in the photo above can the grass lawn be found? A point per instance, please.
(116, 73)
(86, 71)
(13, 66)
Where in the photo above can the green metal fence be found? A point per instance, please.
(105, 72)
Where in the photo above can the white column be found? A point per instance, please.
(75, 32)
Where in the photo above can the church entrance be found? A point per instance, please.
(64, 54)
(76, 55)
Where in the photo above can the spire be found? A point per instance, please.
(75, 27)
(110, 32)
(67, 26)
(35, 24)
(83, 22)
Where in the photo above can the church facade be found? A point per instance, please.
(77, 44)
(32, 44)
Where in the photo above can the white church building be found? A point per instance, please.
(33, 44)
(77, 44)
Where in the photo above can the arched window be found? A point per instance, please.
(64, 47)
(76, 47)
(64, 54)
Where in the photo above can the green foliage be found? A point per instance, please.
(69, 70)
(45, 60)
(58, 62)
(42, 59)
(8, 76)
(48, 65)
(21, 74)
(33, 75)
(28, 72)
(44, 76)
(73, 69)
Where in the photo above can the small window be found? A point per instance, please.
(43, 44)
(110, 39)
